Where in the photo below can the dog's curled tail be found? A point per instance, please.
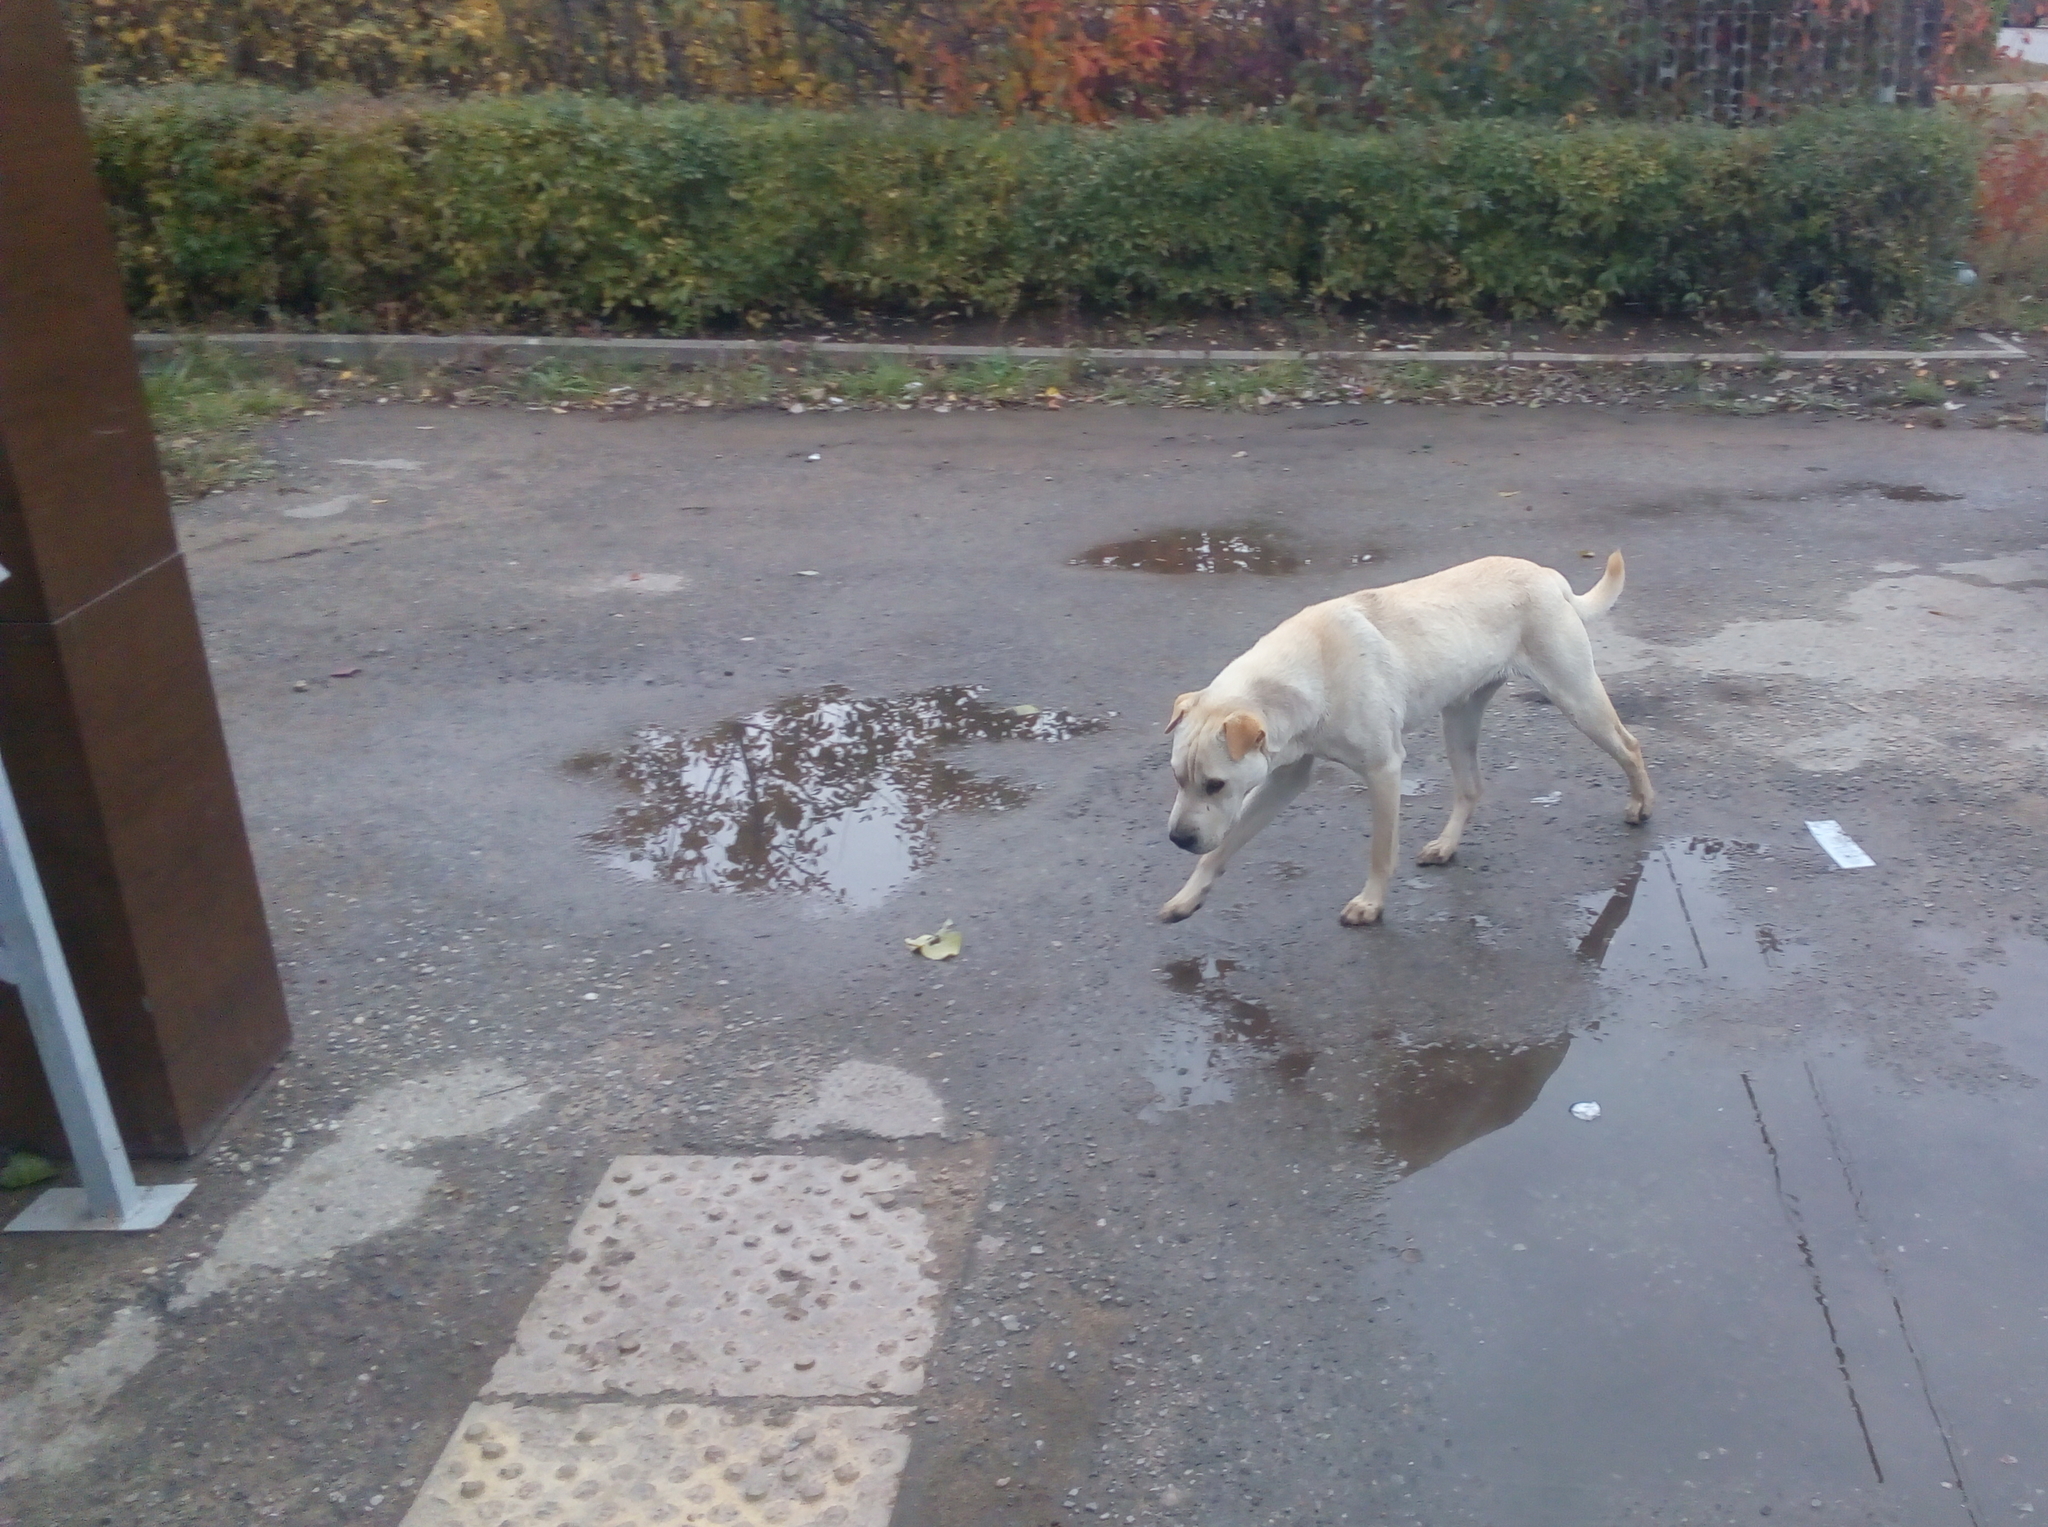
(1599, 599)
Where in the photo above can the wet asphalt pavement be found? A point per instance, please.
(629, 752)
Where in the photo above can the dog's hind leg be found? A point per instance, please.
(1461, 742)
(1280, 787)
(1564, 667)
(1384, 783)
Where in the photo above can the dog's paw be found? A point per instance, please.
(1438, 852)
(1638, 813)
(1359, 913)
(1178, 911)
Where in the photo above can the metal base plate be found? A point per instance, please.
(66, 1209)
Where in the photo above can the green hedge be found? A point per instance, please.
(546, 213)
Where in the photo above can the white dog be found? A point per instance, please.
(1344, 679)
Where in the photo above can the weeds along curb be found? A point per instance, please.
(697, 353)
(208, 394)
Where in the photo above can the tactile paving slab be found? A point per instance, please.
(748, 1275)
(638, 1465)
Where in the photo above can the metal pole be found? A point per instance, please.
(33, 962)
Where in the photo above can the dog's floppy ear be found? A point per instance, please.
(1242, 731)
(1181, 706)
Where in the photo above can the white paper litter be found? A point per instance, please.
(1840, 846)
(1586, 1113)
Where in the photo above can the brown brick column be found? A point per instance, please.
(107, 716)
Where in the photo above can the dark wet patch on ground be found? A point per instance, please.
(820, 794)
(1898, 492)
(1021, 1403)
(1248, 549)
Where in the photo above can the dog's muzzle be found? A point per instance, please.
(1182, 837)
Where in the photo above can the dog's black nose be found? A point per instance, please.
(1182, 838)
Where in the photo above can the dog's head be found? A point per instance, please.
(1219, 758)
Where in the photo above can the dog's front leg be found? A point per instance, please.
(1280, 787)
(1384, 786)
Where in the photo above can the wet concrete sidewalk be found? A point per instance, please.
(599, 770)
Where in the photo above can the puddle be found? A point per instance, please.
(822, 794)
(1668, 918)
(1191, 1065)
(1421, 1101)
(1249, 550)
(1843, 1262)
(1430, 1100)
(1899, 492)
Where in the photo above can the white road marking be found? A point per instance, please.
(634, 583)
(48, 1428)
(324, 509)
(1840, 846)
(354, 1188)
(867, 1099)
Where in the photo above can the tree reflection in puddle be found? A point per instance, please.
(1418, 1102)
(1428, 1101)
(1191, 1063)
(823, 795)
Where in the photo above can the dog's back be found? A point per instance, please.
(1492, 583)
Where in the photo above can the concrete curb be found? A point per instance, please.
(692, 353)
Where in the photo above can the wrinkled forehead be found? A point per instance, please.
(1198, 740)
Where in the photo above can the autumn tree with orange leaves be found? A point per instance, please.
(1084, 61)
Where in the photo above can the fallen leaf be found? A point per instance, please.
(25, 1169)
(942, 945)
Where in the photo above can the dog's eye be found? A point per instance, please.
(1214, 787)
